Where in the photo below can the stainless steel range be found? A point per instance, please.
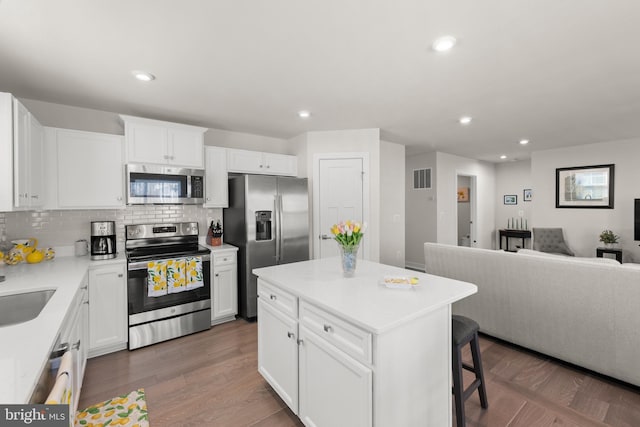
(168, 282)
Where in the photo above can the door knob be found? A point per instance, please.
(325, 237)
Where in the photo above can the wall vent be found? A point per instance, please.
(421, 179)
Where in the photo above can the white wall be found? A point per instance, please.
(247, 141)
(421, 210)
(583, 226)
(392, 206)
(449, 167)
(351, 141)
(513, 178)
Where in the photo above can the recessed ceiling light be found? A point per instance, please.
(465, 120)
(304, 114)
(523, 141)
(503, 157)
(444, 43)
(143, 76)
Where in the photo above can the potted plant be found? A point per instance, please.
(609, 238)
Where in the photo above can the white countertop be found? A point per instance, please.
(362, 299)
(26, 346)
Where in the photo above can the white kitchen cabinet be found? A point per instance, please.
(278, 352)
(216, 184)
(245, 161)
(26, 143)
(307, 363)
(107, 309)
(86, 170)
(73, 338)
(155, 141)
(334, 388)
(224, 292)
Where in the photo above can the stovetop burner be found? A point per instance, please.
(154, 241)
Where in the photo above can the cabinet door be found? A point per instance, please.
(280, 164)
(244, 161)
(278, 353)
(20, 155)
(185, 148)
(95, 181)
(225, 291)
(146, 143)
(217, 185)
(334, 388)
(36, 163)
(107, 308)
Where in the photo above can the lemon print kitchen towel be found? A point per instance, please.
(157, 278)
(194, 273)
(175, 275)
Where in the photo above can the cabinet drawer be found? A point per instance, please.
(344, 335)
(278, 298)
(224, 258)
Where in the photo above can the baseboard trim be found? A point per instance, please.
(414, 266)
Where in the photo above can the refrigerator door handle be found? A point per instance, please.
(278, 224)
(279, 245)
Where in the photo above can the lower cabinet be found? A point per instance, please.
(331, 379)
(315, 376)
(278, 352)
(224, 283)
(107, 309)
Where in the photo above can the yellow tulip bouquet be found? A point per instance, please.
(348, 235)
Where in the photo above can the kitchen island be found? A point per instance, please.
(350, 351)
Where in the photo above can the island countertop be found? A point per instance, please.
(363, 299)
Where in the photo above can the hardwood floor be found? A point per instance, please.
(211, 379)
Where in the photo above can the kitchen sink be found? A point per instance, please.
(19, 308)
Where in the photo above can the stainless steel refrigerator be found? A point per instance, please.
(268, 220)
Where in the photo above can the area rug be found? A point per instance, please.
(128, 410)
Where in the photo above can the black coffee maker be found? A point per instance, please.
(103, 239)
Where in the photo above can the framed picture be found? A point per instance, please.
(585, 187)
(510, 199)
(527, 195)
(463, 194)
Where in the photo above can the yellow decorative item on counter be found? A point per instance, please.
(35, 257)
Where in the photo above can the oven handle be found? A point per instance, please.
(142, 265)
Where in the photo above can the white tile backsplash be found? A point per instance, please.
(62, 228)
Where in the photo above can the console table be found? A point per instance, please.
(617, 252)
(518, 234)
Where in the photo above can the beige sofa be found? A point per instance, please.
(584, 311)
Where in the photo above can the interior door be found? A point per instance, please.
(340, 198)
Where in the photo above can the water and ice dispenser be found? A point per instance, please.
(263, 225)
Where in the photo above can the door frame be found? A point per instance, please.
(473, 207)
(364, 246)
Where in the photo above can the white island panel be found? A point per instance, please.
(405, 342)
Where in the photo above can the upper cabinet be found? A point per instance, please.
(21, 156)
(244, 161)
(85, 170)
(165, 143)
(216, 185)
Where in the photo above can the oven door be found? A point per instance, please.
(139, 301)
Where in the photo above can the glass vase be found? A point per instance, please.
(348, 258)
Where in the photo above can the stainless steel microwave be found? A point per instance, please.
(159, 185)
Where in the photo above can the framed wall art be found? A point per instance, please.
(527, 194)
(463, 194)
(585, 187)
(510, 199)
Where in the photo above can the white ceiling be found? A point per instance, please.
(558, 72)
